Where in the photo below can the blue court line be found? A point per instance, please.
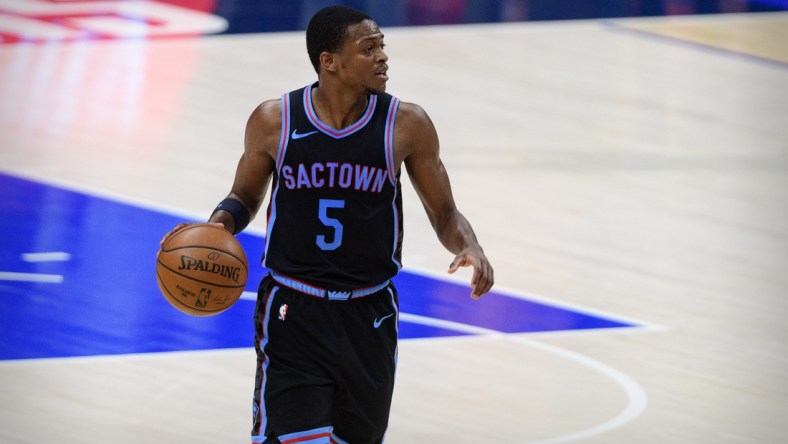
(108, 301)
(618, 27)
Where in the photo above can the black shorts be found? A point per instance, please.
(325, 368)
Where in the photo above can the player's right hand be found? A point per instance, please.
(181, 226)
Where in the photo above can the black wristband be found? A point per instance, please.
(237, 210)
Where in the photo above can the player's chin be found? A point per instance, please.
(378, 86)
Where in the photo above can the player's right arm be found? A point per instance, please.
(256, 166)
(257, 163)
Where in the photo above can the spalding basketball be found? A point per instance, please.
(202, 270)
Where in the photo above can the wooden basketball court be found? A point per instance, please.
(633, 167)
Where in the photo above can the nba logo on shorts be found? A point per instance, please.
(282, 312)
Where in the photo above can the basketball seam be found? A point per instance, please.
(199, 226)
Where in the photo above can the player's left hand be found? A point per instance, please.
(482, 280)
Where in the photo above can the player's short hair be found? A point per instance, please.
(328, 29)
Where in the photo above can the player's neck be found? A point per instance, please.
(338, 108)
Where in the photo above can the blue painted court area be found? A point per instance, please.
(77, 279)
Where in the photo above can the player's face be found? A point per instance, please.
(363, 59)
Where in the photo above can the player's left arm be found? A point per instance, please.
(419, 148)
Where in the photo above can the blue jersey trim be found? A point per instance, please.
(320, 435)
(284, 138)
(396, 222)
(389, 139)
(263, 342)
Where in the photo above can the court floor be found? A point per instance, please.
(627, 179)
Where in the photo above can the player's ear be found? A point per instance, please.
(329, 61)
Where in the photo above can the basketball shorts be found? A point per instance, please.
(325, 368)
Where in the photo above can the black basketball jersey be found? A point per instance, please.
(335, 215)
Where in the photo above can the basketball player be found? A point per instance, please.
(326, 316)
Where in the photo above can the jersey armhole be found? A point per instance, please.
(388, 140)
(284, 138)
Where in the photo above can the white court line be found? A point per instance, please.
(636, 404)
(31, 277)
(637, 399)
(636, 396)
(54, 256)
(540, 299)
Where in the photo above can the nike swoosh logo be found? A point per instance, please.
(379, 321)
(295, 134)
